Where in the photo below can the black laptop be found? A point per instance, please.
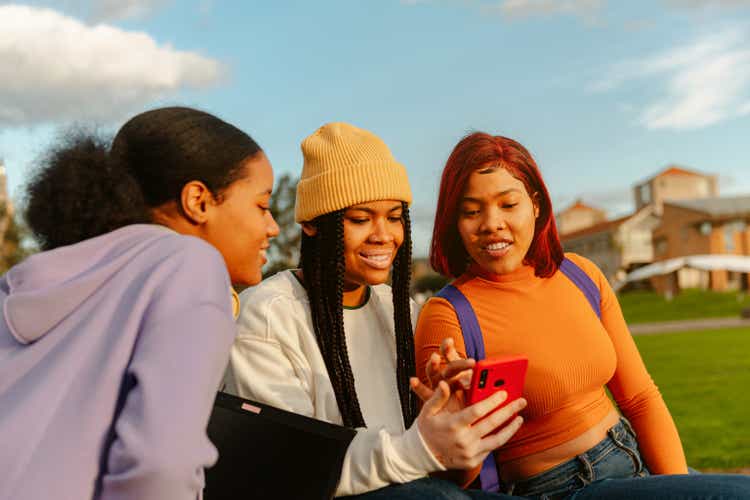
(265, 452)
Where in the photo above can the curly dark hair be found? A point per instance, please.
(84, 188)
(323, 268)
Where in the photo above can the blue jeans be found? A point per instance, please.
(613, 469)
(428, 488)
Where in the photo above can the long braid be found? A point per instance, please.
(320, 255)
(325, 252)
(402, 321)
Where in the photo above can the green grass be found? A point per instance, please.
(645, 307)
(704, 377)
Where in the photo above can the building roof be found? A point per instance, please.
(579, 204)
(673, 170)
(607, 225)
(723, 206)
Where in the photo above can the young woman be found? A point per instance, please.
(114, 339)
(332, 341)
(495, 233)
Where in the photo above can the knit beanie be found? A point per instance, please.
(344, 166)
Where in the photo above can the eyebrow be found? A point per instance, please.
(371, 211)
(496, 195)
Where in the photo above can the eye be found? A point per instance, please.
(509, 205)
(470, 213)
(357, 220)
(395, 218)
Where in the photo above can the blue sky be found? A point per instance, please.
(603, 93)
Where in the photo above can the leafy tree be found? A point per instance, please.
(430, 283)
(16, 244)
(284, 251)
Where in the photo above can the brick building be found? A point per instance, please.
(710, 226)
(579, 216)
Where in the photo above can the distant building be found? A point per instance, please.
(621, 245)
(579, 216)
(671, 184)
(616, 246)
(704, 226)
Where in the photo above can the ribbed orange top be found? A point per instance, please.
(572, 357)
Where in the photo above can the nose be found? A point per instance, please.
(381, 232)
(492, 220)
(272, 230)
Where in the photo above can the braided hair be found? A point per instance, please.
(323, 268)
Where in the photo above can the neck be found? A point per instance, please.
(354, 297)
(167, 215)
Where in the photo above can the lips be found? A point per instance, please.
(497, 248)
(377, 260)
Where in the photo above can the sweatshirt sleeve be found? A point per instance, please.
(269, 364)
(160, 446)
(634, 390)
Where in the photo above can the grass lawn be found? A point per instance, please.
(704, 377)
(644, 307)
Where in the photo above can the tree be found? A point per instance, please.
(16, 242)
(284, 251)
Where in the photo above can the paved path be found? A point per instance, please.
(687, 325)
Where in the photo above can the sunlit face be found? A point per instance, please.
(496, 220)
(373, 233)
(241, 224)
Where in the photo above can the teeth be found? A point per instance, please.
(498, 246)
(381, 258)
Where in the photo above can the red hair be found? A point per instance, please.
(474, 152)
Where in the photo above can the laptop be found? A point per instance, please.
(265, 452)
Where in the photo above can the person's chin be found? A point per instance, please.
(374, 277)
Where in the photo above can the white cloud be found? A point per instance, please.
(54, 68)
(517, 9)
(708, 3)
(707, 81)
(100, 11)
(112, 10)
(527, 8)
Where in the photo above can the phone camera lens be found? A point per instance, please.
(499, 382)
(482, 379)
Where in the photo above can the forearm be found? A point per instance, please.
(658, 439)
(376, 458)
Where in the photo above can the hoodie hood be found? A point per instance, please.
(45, 288)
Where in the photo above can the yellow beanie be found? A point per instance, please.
(344, 166)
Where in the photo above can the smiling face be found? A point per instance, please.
(496, 220)
(373, 233)
(240, 223)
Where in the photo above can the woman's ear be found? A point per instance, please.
(309, 229)
(535, 201)
(195, 200)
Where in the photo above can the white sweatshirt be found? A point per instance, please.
(275, 360)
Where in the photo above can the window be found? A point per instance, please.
(660, 246)
(646, 194)
(705, 228)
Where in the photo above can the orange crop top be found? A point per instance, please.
(572, 355)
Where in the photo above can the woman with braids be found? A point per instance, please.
(115, 337)
(332, 341)
(495, 234)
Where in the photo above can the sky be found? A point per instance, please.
(603, 93)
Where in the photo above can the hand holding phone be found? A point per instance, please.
(507, 373)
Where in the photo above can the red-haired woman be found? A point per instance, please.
(495, 234)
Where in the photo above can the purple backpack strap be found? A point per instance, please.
(488, 476)
(584, 283)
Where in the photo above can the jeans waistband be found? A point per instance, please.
(583, 463)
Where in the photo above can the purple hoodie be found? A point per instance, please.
(111, 351)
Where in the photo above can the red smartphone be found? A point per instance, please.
(507, 373)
